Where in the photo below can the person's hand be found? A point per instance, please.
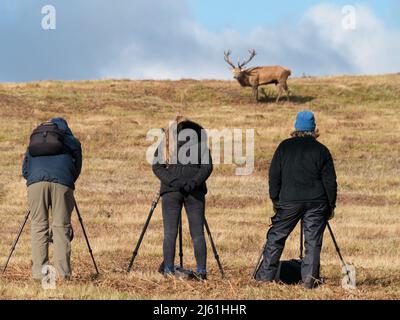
(189, 186)
(275, 207)
(332, 214)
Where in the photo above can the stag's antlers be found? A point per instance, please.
(252, 55)
(228, 59)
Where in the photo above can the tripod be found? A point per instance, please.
(152, 208)
(21, 229)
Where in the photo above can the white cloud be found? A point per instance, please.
(370, 48)
(161, 39)
(318, 45)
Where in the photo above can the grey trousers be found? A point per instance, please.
(172, 204)
(41, 197)
(314, 216)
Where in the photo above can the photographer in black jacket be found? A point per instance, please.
(302, 186)
(183, 168)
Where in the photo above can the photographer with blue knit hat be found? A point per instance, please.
(302, 186)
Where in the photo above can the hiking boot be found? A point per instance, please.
(312, 283)
(200, 276)
(161, 268)
(169, 275)
(168, 272)
(182, 273)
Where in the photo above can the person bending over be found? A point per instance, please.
(51, 168)
(183, 164)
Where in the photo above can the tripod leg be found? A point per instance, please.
(16, 240)
(86, 238)
(135, 252)
(350, 276)
(336, 246)
(301, 240)
(214, 248)
(258, 265)
(180, 242)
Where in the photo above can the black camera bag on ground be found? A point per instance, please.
(289, 271)
(46, 140)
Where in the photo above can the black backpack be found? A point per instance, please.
(46, 140)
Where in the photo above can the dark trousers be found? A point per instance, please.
(314, 218)
(172, 203)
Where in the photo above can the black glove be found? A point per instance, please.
(177, 183)
(332, 214)
(189, 186)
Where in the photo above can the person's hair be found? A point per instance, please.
(301, 134)
(166, 152)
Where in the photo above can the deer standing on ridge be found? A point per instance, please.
(258, 76)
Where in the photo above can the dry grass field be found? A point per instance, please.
(359, 121)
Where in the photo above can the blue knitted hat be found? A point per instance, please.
(305, 121)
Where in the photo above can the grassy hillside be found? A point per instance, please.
(359, 121)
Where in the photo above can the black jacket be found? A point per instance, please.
(302, 169)
(197, 172)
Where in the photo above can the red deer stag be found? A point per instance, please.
(258, 76)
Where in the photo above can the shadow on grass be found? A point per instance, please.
(266, 96)
(283, 99)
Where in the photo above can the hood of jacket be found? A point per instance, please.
(62, 125)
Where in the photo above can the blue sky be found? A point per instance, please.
(217, 15)
(174, 39)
